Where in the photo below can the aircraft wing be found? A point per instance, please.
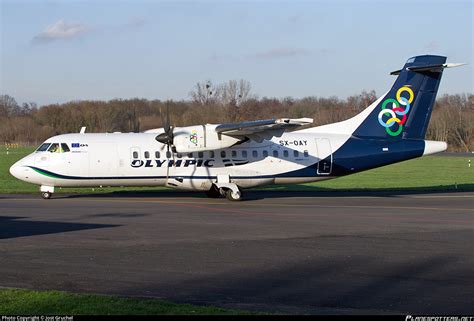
(259, 130)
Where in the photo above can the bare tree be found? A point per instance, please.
(205, 93)
(8, 106)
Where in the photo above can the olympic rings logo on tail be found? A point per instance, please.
(397, 110)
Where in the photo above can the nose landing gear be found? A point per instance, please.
(46, 195)
(46, 191)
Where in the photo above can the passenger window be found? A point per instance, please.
(305, 153)
(211, 154)
(64, 148)
(54, 148)
(234, 153)
(244, 154)
(157, 155)
(265, 153)
(168, 154)
(200, 154)
(43, 147)
(190, 155)
(179, 155)
(275, 153)
(135, 155)
(296, 153)
(222, 154)
(147, 155)
(254, 154)
(285, 153)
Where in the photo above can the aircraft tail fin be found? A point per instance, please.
(404, 112)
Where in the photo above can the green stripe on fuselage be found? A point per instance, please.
(44, 173)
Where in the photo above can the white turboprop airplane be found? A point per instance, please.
(224, 159)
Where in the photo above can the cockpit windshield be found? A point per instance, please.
(43, 147)
(54, 148)
(58, 148)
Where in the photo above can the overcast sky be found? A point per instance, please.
(56, 51)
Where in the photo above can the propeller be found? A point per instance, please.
(167, 137)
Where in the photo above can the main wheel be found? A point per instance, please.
(213, 192)
(46, 195)
(233, 196)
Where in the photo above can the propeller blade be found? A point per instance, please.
(167, 165)
(167, 125)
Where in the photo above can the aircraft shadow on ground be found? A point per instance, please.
(13, 227)
(303, 191)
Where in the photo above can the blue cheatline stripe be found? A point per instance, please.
(309, 171)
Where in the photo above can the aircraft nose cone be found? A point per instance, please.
(15, 170)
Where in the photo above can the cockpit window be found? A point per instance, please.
(43, 147)
(64, 148)
(54, 148)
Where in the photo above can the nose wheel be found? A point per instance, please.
(46, 195)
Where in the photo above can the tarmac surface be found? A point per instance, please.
(276, 252)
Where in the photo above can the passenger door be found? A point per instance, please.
(324, 155)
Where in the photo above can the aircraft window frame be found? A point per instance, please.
(285, 153)
(296, 153)
(200, 155)
(157, 155)
(147, 154)
(265, 153)
(190, 155)
(168, 154)
(179, 155)
(135, 154)
(305, 153)
(233, 153)
(57, 150)
(275, 153)
(211, 154)
(64, 148)
(223, 153)
(255, 153)
(45, 149)
(244, 154)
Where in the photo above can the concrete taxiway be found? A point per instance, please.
(286, 252)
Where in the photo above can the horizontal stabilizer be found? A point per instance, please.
(430, 68)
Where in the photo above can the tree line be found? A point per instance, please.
(28, 124)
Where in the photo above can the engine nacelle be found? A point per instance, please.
(200, 138)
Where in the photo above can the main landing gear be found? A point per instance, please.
(233, 196)
(230, 190)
